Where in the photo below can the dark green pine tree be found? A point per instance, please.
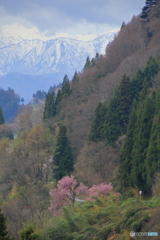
(124, 103)
(97, 127)
(151, 70)
(97, 57)
(112, 127)
(63, 158)
(66, 86)
(149, 2)
(92, 62)
(152, 161)
(125, 155)
(3, 228)
(87, 64)
(75, 77)
(145, 11)
(1, 116)
(118, 110)
(58, 97)
(145, 114)
(137, 84)
(49, 108)
(123, 25)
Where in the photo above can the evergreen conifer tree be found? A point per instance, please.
(97, 127)
(97, 57)
(118, 110)
(151, 70)
(152, 162)
(3, 229)
(145, 113)
(87, 64)
(1, 116)
(112, 128)
(125, 102)
(145, 11)
(58, 97)
(75, 77)
(63, 158)
(66, 86)
(137, 85)
(126, 151)
(123, 25)
(49, 108)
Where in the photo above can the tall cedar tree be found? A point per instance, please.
(63, 158)
(125, 155)
(49, 108)
(145, 114)
(75, 77)
(137, 84)
(87, 64)
(1, 116)
(153, 151)
(96, 132)
(3, 229)
(125, 103)
(66, 86)
(112, 128)
(151, 70)
(119, 109)
(58, 97)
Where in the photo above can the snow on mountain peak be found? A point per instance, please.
(26, 51)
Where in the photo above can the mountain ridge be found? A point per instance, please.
(50, 59)
(38, 49)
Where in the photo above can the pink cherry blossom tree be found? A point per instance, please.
(67, 190)
(65, 193)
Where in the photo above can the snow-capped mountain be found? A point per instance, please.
(29, 52)
(38, 56)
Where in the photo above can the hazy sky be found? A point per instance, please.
(70, 16)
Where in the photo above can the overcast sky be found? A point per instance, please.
(70, 16)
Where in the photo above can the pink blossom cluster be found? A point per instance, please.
(102, 189)
(67, 190)
(59, 195)
(81, 190)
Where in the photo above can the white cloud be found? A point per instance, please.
(69, 15)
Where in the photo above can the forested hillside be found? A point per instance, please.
(76, 167)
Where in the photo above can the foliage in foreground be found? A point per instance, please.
(109, 218)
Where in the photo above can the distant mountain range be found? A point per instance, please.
(27, 54)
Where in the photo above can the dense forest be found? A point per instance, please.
(86, 165)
